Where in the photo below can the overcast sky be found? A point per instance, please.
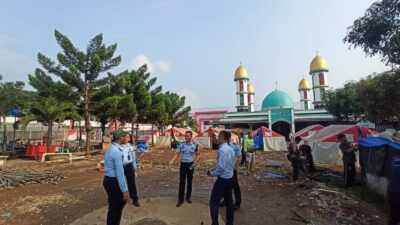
(193, 47)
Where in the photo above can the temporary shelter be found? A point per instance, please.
(325, 145)
(376, 156)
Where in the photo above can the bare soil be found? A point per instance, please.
(265, 200)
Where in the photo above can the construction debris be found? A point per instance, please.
(15, 178)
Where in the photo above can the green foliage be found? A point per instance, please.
(49, 110)
(378, 31)
(344, 103)
(176, 109)
(80, 70)
(375, 97)
(380, 96)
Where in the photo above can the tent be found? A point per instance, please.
(309, 131)
(376, 155)
(324, 142)
(276, 142)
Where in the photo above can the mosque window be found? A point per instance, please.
(241, 85)
(321, 79)
(241, 100)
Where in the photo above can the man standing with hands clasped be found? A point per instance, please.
(130, 166)
(188, 152)
(223, 186)
(114, 180)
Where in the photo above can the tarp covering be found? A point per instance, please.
(307, 131)
(266, 132)
(376, 155)
(330, 133)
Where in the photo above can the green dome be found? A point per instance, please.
(277, 99)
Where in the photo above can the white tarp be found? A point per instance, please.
(275, 144)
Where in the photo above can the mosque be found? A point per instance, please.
(278, 111)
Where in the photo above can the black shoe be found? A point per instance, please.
(188, 200)
(136, 203)
(179, 204)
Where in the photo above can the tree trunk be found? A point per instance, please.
(152, 134)
(103, 131)
(49, 135)
(132, 130)
(87, 117)
(4, 130)
(137, 130)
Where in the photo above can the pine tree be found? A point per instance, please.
(81, 70)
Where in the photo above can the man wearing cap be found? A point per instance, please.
(129, 161)
(188, 152)
(114, 180)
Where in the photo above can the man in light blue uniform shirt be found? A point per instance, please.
(226, 161)
(188, 152)
(114, 180)
(129, 161)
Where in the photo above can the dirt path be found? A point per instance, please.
(265, 201)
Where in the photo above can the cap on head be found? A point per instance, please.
(119, 134)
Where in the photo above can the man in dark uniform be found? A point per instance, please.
(188, 152)
(349, 160)
(306, 151)
(294, 157)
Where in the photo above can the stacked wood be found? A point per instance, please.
(15, 178)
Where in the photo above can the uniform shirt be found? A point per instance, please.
(226, 162)
(187, 151)
(113, 166)
(236, 149)
(129, 155)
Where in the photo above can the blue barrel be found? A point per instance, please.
(394, 184)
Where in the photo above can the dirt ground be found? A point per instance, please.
(265, 200)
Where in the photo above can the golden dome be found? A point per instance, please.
(241, 73)
(318, 64)
(250, 89)
(304, 85)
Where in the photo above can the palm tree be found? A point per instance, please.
(49, 110)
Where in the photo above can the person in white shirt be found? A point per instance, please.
(130, 166)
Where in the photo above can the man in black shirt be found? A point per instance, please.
(349, 160)
(306, 151)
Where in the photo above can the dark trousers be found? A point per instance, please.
(349, 173)
(222, 189)
(115, 200)
(297, 166)
(243, 161)
(236, 190)
(310, 162)
(394, 204)
(131, 181)
(185, 174)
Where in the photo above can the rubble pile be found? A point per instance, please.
(15, 178)
(333, 203)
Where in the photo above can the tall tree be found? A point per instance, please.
(81, 69)
(344, 103)
(378, 31)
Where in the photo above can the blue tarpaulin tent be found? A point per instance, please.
(376, 155)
